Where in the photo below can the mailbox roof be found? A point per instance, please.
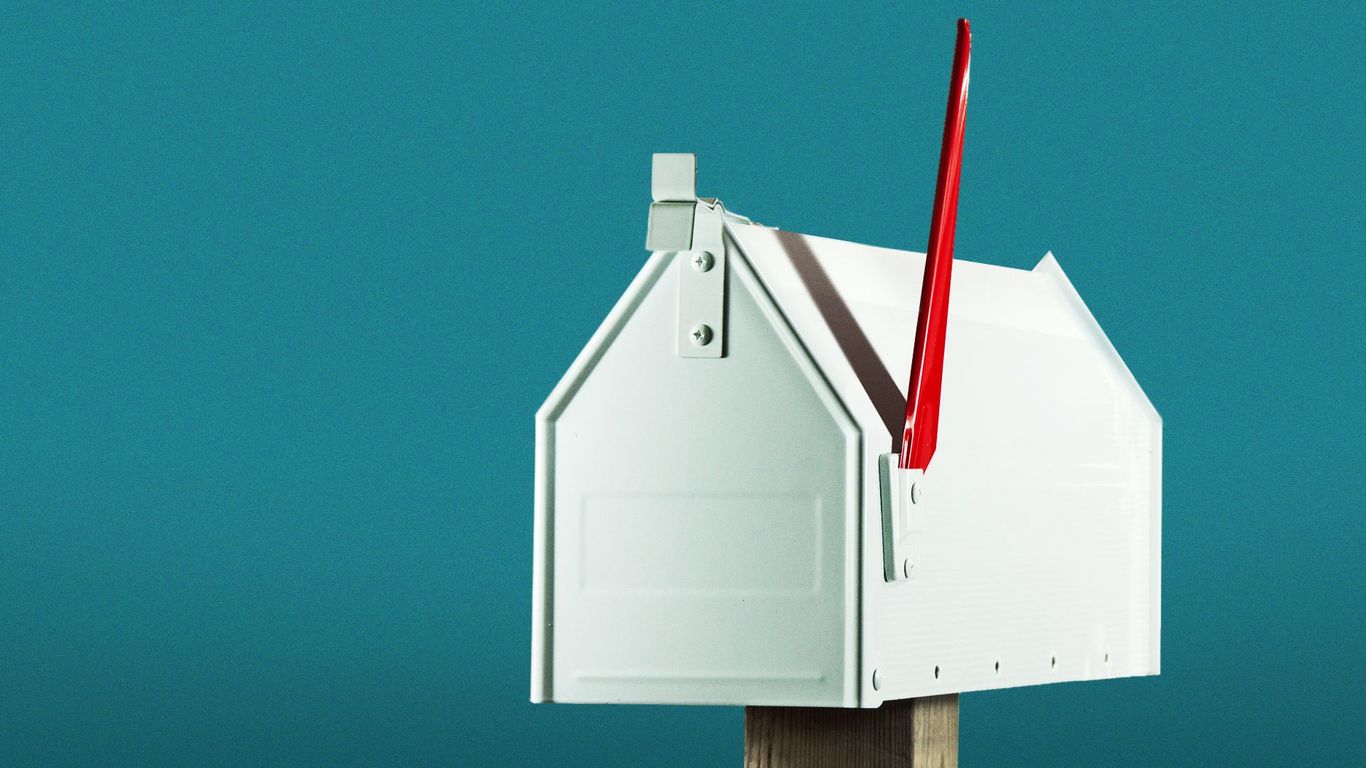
(855, 307)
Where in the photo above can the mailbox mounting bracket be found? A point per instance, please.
(902, 504)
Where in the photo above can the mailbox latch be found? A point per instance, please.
(693, 229)
(673, 192)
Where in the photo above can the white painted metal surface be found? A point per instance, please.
(680, 571)
(713, 530)
(1041, 520)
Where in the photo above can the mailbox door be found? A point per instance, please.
(702, 514)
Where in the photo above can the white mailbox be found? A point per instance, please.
(718, 520)
(721, 516)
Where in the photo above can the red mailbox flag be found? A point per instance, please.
(927, 367)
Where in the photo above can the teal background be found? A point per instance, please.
(280, 290)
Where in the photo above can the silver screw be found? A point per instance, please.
(703, 261)
(877, 679)
(701, 335)
(915, 493)
(906, 567)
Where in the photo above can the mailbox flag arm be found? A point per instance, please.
(927, 366)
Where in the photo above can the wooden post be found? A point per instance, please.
(913, 733)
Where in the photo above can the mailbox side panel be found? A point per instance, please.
(697, 518)
(1038, 534)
